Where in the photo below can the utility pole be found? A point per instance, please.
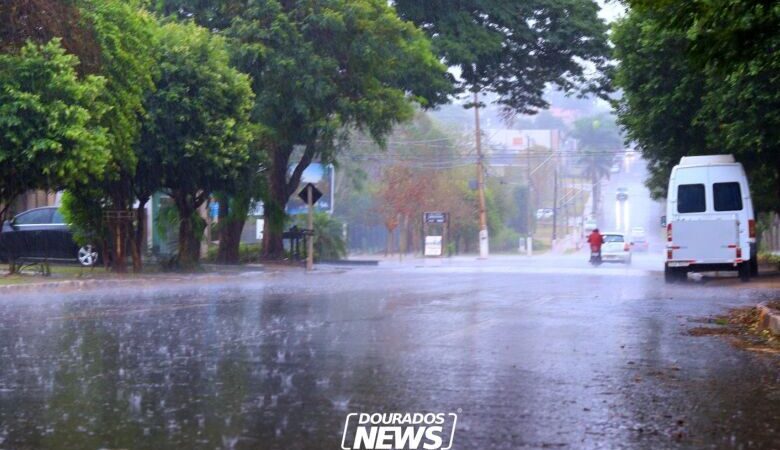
(483, 230)
(555, 207)
(529, 238)
(310, 224)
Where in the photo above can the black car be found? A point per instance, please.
(42, 234)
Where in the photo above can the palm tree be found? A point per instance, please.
(596, 166)
(599, 139)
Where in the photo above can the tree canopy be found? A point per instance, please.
(515, 49)
(197, 127)
(49, 135)
(320, 69)
(701, 78)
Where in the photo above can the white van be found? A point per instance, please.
(709, 218)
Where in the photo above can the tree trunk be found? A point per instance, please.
(273, 210)
(388, 241)
(232, 216)
(139, 234)
(596, 195)
(189, 244)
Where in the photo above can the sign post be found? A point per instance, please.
(310, 194)
(435, 245)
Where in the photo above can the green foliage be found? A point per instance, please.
(328, 236)
(125, 34)
(247, 253)
(49, 137)
(700, 78)
(598, 138)
(319, 69)
(85, 217)
(197, 121)
(515, 49)
(197, 131)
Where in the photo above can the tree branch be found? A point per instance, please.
(306, 159)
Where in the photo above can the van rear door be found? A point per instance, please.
(704, 240)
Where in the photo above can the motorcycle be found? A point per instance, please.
(595, 257)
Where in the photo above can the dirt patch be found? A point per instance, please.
(742, 327)
(712, 331)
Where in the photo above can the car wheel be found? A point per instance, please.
(753, 266)
(669, 275)
(744, 271)
(87, 255)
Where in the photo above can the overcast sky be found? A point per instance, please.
(610, 9)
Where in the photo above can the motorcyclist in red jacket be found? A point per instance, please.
(595, 239)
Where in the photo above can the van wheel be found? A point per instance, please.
(753, 266)
(671, 275)
(744, 272)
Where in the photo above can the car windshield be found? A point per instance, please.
(613, 238)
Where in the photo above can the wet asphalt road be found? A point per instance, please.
(540, 353)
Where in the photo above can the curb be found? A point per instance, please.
(137, 282)
(768, 319)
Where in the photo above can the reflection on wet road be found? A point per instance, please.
(568, 358)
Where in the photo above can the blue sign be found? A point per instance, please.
(322, 177)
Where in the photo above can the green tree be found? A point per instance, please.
(514, 49)
(328, 236)
(699, 78)
(661, 97)
(320, 68)
(598, 140)
(125, 35)
(197, 128)
(49, 135)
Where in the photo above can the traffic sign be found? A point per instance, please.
(315, 193)
(435, 217)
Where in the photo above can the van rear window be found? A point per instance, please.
(727, 196)
(690, 198)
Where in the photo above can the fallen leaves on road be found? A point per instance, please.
(741, 324)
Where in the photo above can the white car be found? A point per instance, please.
(590, 225)
(544, 213)
(638, 239)
(615, 248)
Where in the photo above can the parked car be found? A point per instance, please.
(590, 225)
(622, 194)
(615, 248)
(710, 222)
(42, 234)
(544, 213)
(638, 239)
(615, 168)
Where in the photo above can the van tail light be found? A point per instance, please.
(669, 232)
(669, 254)
(625, 247)
(739, 252)
(752, 228)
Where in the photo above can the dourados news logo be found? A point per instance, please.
(396, 431)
